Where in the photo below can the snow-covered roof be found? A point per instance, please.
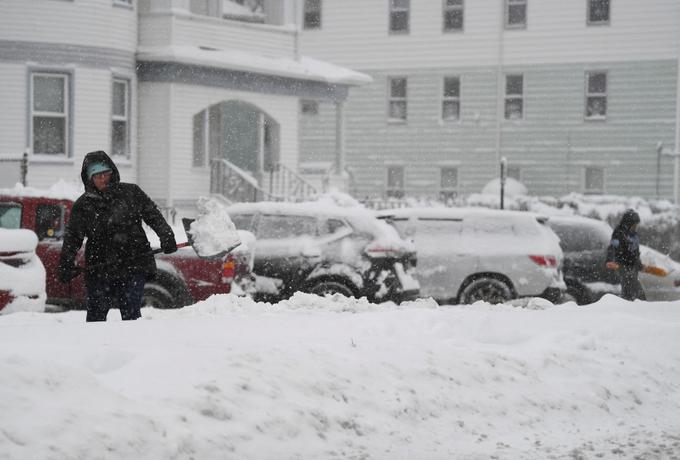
(61, 190)
(304, 69)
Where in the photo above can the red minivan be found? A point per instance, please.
(182, 278)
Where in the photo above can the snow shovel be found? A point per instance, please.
(656, 271)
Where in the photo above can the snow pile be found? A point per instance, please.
(512, 188)
(61, 190)
(22, 274)
(213, 231)
(337, 378)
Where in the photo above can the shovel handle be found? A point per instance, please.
(82, 269)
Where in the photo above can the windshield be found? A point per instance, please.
(10, 215)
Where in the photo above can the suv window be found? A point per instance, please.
(274, 226)
(479, 225)
(242, 221)
(10, 215)
(49, 221)
(575, 237)
(331, 226)
(434, 226)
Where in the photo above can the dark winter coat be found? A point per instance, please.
(111, 220)
(624, 247)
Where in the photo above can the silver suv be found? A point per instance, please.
(471, 254)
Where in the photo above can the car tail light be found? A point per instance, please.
(545, 261)
(228, 270)
(378, 250)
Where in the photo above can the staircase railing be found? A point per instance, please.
(235, 184)
(290, 186)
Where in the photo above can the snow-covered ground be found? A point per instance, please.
(315, 378)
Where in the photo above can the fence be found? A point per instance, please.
(13, 169)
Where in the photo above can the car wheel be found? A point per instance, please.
(487, 289)
(330, 287)
(157, 296)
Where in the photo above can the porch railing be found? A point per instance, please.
(237, 185)
(288, 185)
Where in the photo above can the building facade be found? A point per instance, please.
(577, 96)
(189, 97)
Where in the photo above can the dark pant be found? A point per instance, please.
(124, 294)
(630, 285)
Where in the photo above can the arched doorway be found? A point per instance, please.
(240, 133)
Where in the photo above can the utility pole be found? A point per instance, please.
(503, 163)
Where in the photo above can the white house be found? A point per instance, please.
(577, 95)
(188, 96)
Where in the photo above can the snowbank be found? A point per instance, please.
(337, 378)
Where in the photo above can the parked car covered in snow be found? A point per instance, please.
(22, 275)
(471, 254)
(325, 249)
(182, 278)
(584, 242)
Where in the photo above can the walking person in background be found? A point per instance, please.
(623, 255)
(110, 215)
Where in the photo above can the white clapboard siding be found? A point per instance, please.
(13, 106)
(95, 23)
(154, 138)
(90, 122)
(355, 34)
(196, 30)
(166, 141)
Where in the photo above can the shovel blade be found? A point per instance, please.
(186, 223)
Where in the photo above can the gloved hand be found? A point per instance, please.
(169, 246)
(66, 273)
(612, 266)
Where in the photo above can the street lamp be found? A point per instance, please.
(504, 161)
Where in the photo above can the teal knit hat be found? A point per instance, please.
(96, 168)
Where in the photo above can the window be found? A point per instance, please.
(515, 14)
(332, 226)
(594, 180)
(448, 185)
(451, 100)
(577, 237)
(275, 227)
(598, 11)
(312, 14)
(429, 227)
(399, 16)
(10, 215)
(120, 118)
(395, 182)
(596, 95)
(453, 15)
(242, 221)
(514, 97)
(49, 221)
(50, 113)
(309, 107)
(397, 99)
(200, 136)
